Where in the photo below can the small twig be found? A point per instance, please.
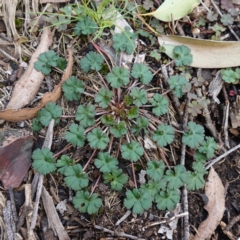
(219, 12)
(167, 220)
(48, 144)
(232, 222)
(89, 160)
(134, 175)
(121, 234)
(225, 127)
(210, 163)
(13, 205)
(8, 56)
(128, 212)
(184, 190)
(35, 208)
(95, 185)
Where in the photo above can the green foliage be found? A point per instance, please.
(75, 177)
(103, 97)
(85, 26)
(229, 76)
(75, 135)
(140, 126)
(132, 151)
(124, 41)
(141, 71)
(46, 114)
(208, 147)
(182, 56)
(132, 112)
(176, 178)
(167, 199)
(118, 77)
(139, 96)
(107, 120)
(155, 169)
(226, 19)
(105, 162)
(195, 180)
(164, 135)
(64, 162)
(176, 83)
(98, 139)
(160, 104)
(155, 54)
(116, 178)
(72, 88)
(138, 199)
(153, 187)
(49, 59)
(86, 203)
(92, 61)
(118, 129)
(86, 114)
(43, 161)
(194, 135)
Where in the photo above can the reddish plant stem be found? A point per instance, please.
(95, 185)
(134, 175)
(89, 160)
(63, 150)
(102, 51)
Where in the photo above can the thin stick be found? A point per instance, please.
(89, 160)
(225, 127)
(219, 12)
(128, 212)
(167, 220)
(210, 163)
(48, 144)
(121, 234)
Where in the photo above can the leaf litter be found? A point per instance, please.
(199, 49)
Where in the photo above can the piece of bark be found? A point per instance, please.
(28, 85)
(214, 190)
(28, 113)
(53, 218)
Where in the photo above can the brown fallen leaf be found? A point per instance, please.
(15, 156)
(28, 85)
(214, 190)
(28, 113)
(206, 53)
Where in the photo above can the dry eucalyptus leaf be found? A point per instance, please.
(206, 53)
(214, 190)
(171, 10)
(28, 85)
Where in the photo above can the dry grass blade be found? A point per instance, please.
(214, 190)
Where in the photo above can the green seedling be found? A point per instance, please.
(63, 163)
(86, 203)
(47, 60)
(138, 199)
(116, 179)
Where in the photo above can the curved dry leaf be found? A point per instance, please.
(28, 85)
(171, 10)
(206, 53)
(214, 190)
(28, 113)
